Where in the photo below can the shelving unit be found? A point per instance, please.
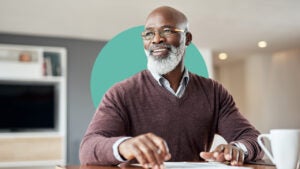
(40, 65)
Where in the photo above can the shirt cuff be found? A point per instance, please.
(116, 150)
(241, 146)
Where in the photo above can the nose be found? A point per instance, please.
(157, 38)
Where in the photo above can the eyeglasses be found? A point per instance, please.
(165, 32)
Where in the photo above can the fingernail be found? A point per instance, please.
(215, 154)
(167, 157)
(162, 166)
(228, 157)
(233, 162)
(147, 165)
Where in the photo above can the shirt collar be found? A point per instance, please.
(159, 78)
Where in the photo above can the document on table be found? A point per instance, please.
(195, 165)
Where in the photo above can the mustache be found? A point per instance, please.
(162, 45)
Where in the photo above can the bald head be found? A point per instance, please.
(166, 15)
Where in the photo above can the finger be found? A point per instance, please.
(139, 155)
(219, 149)
(128, 149)
(235, 156)
(241, 158)
(150, 150)
(228, 152)
(140, 151)
(213, 156)
(167, 155)
(220, 157)
(162, 147)
(208, 156)
(147, 150)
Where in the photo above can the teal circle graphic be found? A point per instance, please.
(124, 56)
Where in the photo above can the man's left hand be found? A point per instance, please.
(225, 153)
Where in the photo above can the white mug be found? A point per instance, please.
(285, 146)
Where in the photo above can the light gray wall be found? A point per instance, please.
(81, 56)
(270, 88)
(273, 90)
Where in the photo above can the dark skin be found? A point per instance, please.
(149, 149)
(158, 19)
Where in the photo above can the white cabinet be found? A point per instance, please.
(34, 146)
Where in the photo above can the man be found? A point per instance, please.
(165, 112)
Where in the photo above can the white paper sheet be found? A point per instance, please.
(193, 165)
(209, 165)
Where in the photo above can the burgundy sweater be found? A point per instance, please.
(140, 105)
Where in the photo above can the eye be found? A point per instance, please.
(149, 33)
(167, 31)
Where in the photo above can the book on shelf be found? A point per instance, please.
(47, 67)
(52, 63)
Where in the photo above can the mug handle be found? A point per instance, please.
(259, 139)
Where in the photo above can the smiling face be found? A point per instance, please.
(166, 47)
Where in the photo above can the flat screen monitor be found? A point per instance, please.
(26, 107)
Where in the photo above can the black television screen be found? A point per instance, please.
(27, 106)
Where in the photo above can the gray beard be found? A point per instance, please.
(164, 65)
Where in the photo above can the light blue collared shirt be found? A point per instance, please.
(165, 83)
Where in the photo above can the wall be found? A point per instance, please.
(276, 92)
(207, 56)
(266, 88)
(81, 56)
(236, 86)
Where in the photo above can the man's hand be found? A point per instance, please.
(148, 149)
(225, 153)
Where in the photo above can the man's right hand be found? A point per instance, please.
(148, 149)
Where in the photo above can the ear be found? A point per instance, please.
(189, 38)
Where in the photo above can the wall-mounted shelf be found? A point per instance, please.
(21, 64)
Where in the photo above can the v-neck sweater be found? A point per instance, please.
(139, 105)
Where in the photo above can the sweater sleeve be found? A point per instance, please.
(233, 126)
(106, 127)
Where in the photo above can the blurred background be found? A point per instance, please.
(252, 47)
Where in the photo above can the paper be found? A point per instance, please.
(195, 165)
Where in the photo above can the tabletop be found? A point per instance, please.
(135, 167)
